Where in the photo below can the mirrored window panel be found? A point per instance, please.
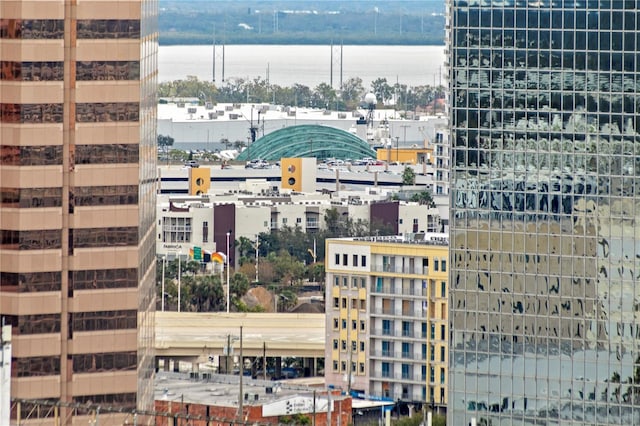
(31, 113)
(107, 70)
(30, 197)
(36, 366)
(30, 282)
(37, 155)
(106, 112)
(107, 361)
(108, 28)
(31, 71)
(103, 320)
(105, 195)
(107, 154)
(41, 239)
(102, 237)
(33, 324)
(103, 278)
(32, 29)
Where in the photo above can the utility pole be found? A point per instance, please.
(240, 405)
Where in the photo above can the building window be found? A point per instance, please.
(442, 332)
(336, 302)
(31, 29)
(343, 366)
(407, 329)
(107, 112)
(363, 283)
(344, 324)
(344, 303)
(107, 70)
(435, 265)
(443, 265)
(354, 324)
(432, 374)
(432, 352)
(387, 327)
(107, 154)
(345, 259)
(102, 362)
(108, 28)
(386, 369)
(443, 289)
(47, 239)
(405, 371)
(363, 260)
(336, 323)
(353, 367)
(104, 195)
(336, 281)
(362, 368)
(343, 345)
(363, 305)
(354, 346)
(284, 220)
(442, 374)
(335, 344)
(335, 366)
(433, 331)
(361, 346)
(355, 260)
(407, 350)
(424, 351)
(31, 113)
(442, 353)
(345, 282)
(362, 326)
(205, 232)
(298, 220)
(337, 258)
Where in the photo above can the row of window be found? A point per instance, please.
(354, 260)
(34, 29)
(31, 113)
(30, 197)
(104, 195)
(34, 410)
(107, 361)
(107, 112)
(79, 238)
(37, 155)
(103, 279)
(31, 29)
(103, 320)
(355, 303)
(343, 367)
(35, 366)
(40, 239)
(103, 237)
(354, 324)
(355, 281)
(54, 70)
(30, 283)
(343, 345)
(107, 154)
(31, 71)
(33, 324)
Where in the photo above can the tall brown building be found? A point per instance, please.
(77, 198)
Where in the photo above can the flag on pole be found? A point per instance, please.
(219, 257)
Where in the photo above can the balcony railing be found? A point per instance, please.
(313, 224)
(397, 269)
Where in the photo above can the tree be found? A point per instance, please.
(324, 95)
(165, 141)
(351, 92)
(408, 176)
(381, 89)
(423, 198)
(238, 285)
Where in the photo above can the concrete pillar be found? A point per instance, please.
(225, 364)
(176, 366)
(195, 367)
(166, 364)
(278, 367)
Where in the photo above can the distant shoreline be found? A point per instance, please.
(178, 39)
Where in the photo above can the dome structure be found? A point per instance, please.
(307, 140)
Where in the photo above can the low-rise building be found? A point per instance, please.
(386, 312)
(185, 222)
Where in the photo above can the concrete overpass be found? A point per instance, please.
(194, 337)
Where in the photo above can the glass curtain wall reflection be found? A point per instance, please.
(545, 247)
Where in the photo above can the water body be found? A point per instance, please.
(287, 65)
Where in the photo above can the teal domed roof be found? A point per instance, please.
(307, 140)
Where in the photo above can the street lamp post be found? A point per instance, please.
(164, 264)
(257, 245)
(228, 258)
(179, 277)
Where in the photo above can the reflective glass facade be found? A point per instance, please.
(545, 251)
(77, 201)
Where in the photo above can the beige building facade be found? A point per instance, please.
(77, 200)
(386, 317)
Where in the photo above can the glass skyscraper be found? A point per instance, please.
(545, 249)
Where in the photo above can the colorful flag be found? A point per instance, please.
(219, 257)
